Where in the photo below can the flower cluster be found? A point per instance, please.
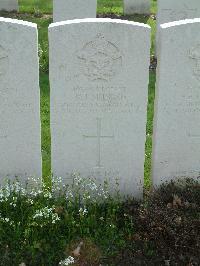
(44, 216)
(9, 189)
(6, 220)
(67, 261)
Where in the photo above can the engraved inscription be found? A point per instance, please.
(100, 59)
(3, 136)
(188, 103)
(194, 54)
(95, 99)
(3, 61)
(194, 135)
(99, 136)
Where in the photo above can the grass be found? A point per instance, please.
(36, 227)
(39, 227)
(104, 6)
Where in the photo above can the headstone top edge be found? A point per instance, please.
(179, 23)
(19, 22)
(98, 20)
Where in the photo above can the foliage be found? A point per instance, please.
(83, 223)
(37, 224)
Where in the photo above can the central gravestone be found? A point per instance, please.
(176, 149)
(99, 84)
(74, 9)
(20, 100)
(9, 5)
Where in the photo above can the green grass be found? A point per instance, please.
(104, 6)
(38, 226)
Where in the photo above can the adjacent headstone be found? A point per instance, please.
(132, 7)
(74, 9)
(20, 148)
(176, 148)
(9, 5)
(99, 84)
(171, 10)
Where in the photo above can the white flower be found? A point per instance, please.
(30, 201)
(67, 261)
(83, 211)
(46, 215)
(69, 195)
(47, 194)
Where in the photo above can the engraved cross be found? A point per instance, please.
(195, 54)
(3, 57)
(99, 137)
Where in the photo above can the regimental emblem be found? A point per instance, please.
(3, 61)
(100, 59)
(194, 54)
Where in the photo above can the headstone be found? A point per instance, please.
(74, 9)
(176, 148)
(174, 10)
(99, 85)
(132, 7)
(9, 5)
(20, 100)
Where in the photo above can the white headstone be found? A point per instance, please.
(20, 100)
(137, 7)
(9, 5)
(74, 9)
(176, 149)
(174, 10)
(99, 83)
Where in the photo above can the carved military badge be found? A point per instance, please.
(100, 59)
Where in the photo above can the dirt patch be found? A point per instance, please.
(167, 228)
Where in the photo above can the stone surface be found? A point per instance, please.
(176, 148)
(9, 5)
(137, 7)
(19, 102)
(171, 10)
(99, 85)
(74, 9)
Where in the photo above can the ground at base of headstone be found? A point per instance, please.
(39, 227)
(167, 228)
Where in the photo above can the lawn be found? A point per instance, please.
(104, 6)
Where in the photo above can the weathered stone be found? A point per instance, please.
(176, 142)
(19, 102)
(73, 9)
(137, 7)
(9, 5)
(171, 10)
(99, 85)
